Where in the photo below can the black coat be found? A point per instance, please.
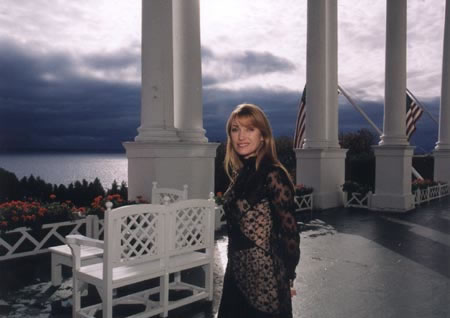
(264, 243)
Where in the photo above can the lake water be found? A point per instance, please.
(64, 168)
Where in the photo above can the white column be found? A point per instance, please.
(332, 75)
(394, 127)
(316, 74)
(321, 162)
(442, 149)
(444, 116)
(394, 155)
(188, 71)
(158, 154)
(157, 119)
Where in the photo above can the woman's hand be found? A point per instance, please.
(293, 292)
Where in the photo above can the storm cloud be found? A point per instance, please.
(46, 103)
(70, 72)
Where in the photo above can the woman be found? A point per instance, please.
(263, 240)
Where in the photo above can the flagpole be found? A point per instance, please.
(423, 107)
(359, 109)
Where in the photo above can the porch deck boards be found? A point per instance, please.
(354, 263)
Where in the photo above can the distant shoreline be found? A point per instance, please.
(62, 151)
(68, 166)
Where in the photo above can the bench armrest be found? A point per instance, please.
(84, 240)
(75, 242)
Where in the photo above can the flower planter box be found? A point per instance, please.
(24, 241)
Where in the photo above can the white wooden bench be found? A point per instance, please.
(147, 241)
(61, 254)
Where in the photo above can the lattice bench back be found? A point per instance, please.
(191, 226)
(134, 234)
(174, 195)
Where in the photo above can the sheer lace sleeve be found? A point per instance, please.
(281, 195)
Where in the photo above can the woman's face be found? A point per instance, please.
(245, 138)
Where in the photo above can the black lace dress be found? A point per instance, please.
(263, 246)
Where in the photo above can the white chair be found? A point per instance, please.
(168, 195)
(174, 195)
(134, 251)
(190, 244)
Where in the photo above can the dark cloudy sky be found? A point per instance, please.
(70, 70)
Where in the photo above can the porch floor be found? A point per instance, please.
(354, 263)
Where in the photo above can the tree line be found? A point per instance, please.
(80, 193)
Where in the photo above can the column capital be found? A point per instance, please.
(442, 146)
(393, 140)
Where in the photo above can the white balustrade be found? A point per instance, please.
(431, 193)
(24, 241)
(303, 202)
(358, 200)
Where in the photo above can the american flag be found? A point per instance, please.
(413, 113)
(300, 124)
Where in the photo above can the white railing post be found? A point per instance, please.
(89, 226)
(345, 199)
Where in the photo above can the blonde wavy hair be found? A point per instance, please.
(250, 115)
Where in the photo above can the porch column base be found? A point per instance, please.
(441, 165)
(147, 134)
(392, 203)
(324, 170)
(192, 135)
(393, 179)
(171, 164)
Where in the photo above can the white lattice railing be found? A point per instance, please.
(431, 193)
(23, 241)
(358, 200)
(304, 202)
